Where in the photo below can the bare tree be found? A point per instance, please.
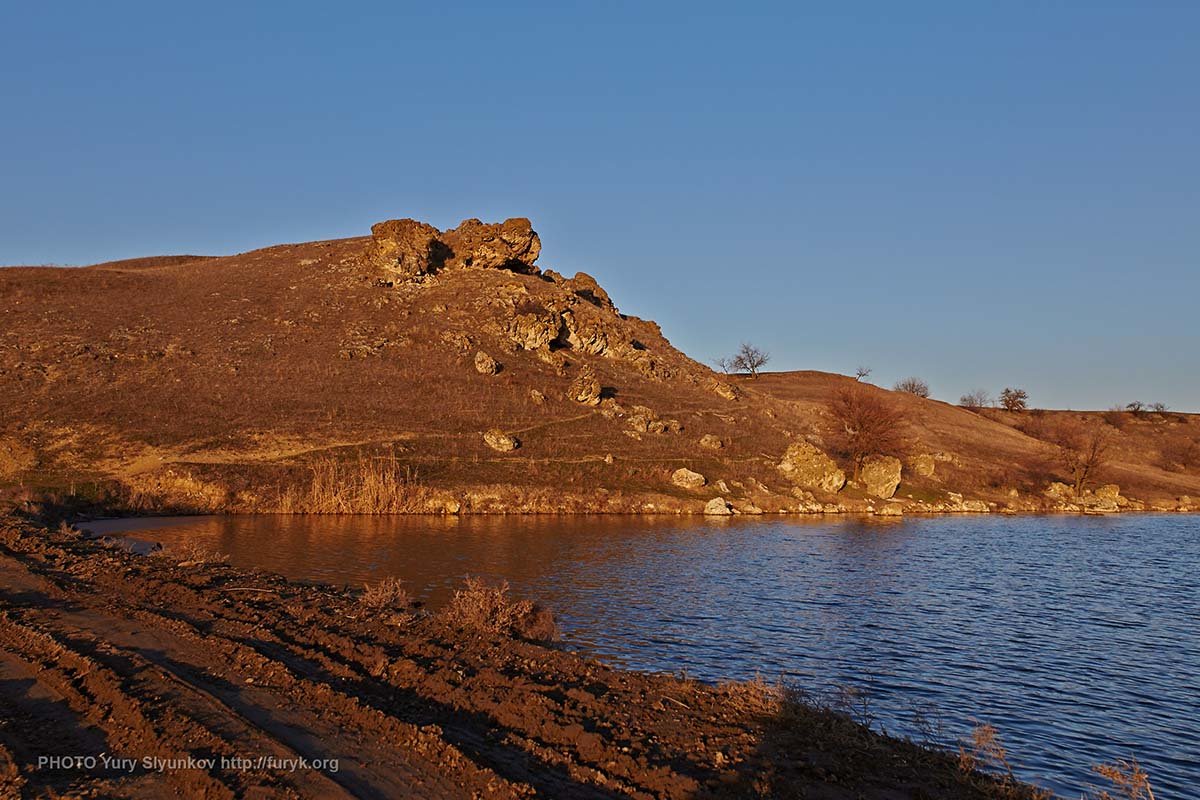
(1137, 408)
(1014, 399)
(867, 424)
(862, 373)
(1158, 408)
(975, 400)
(1082, 449)
(912, 385)
(749, 359)
(725, 364)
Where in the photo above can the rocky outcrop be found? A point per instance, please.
(501, 441)
(585, 388)
(512, 245)
(485, 364)
(717, 507)
(880, 475)
(407, 248)
(924, 465)
(806, 465)
(687, 479)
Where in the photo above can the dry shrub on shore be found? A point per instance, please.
(1130, 781)
(388, 594)
(191, 554)
(487, 607)
(366, 485)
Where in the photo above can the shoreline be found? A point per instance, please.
(166, 658)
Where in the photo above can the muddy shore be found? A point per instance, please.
(202, 680)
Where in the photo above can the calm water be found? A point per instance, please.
(1078, 638)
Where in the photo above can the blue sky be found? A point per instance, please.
(982, 194)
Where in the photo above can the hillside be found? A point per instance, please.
(421, 370)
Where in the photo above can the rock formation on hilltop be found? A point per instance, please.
(407, 248)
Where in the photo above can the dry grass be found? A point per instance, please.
(191, 554)
(484, 606)
(1128, 778)
(366, 485)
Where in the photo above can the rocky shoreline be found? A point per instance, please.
(244, 684)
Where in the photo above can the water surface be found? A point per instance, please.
(1078, 638)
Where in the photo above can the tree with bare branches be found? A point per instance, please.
(867, 423)
(749, 359)
(975, 400)
(1083, 449)
(912, 385)
(862, 373)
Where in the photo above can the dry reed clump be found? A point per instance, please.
(481, 606)
(1128, 778)
(388, 594)
(367, 485)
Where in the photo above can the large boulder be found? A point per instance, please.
(512, 244)
(717, 507)
(585, 388)
(880, 475)
(404, 247)
(687, 479)
(806, 465)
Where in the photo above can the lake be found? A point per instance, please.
(1077, 637)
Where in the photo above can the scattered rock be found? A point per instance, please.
(687, 479)
(806, 465)
(924, 465)
(1059, 491)
(608, 459)
(499, 440)
(881, 475)
(585, 388)
(711, 441)
(726, 390)
(485, 364)
(536, 397)
(889, 510)
(1109, 491)
(717, 507)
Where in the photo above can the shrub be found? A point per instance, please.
(389, 593)
(912, 385)
(1082, 450)
(487, 607)
(867, 424)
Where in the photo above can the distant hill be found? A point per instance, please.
(394, 372)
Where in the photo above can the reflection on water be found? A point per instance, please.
(1079, 638)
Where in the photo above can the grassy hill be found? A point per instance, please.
(342, 375)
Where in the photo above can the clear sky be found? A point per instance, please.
(978, 193)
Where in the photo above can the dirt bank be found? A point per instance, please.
(143, 658)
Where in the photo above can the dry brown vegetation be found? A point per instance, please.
(480, 605)
(867, 423)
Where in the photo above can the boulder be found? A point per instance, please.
(687, 479)
(485, 364)
(585, 388)
(880, 475)
(726, 390)
(404, 247)
(806, 465)
(1109, 491)
(711, 441)
(717, 507)
(499, 440)
(512, 244)
(586, 287)
(533, 330)
(1059, 491)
